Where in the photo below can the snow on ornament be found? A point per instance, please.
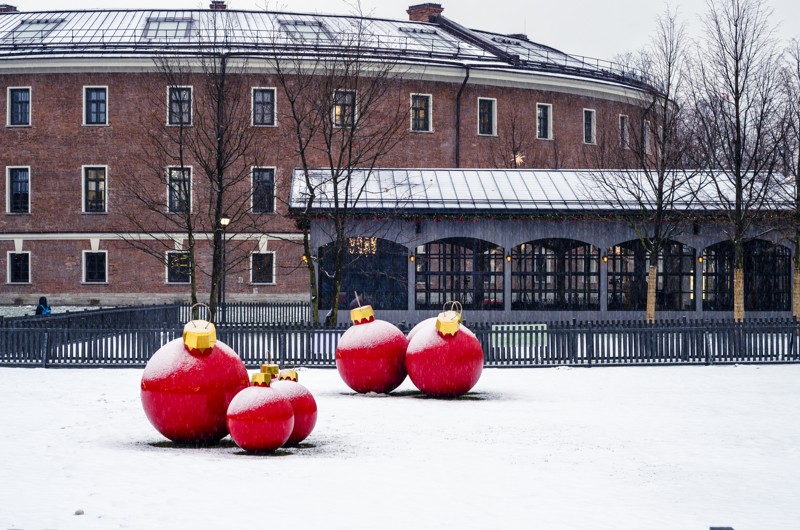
(444, 358)
(188, 383)
(303, 404)
(260, 418)
(370, 356)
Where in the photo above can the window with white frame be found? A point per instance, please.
(19, 190)
(95, 266)
(94, 189)
(589, 127)
(344, 108)
(179, 189)
(33, 29)
(624, 138)
(95, 105)
(19, 267)
(262, 267)
(19, 106)
(178, 266)
(179, 105)
(487, 116)
(646, 137)
(264, 107)
(421, 112)
(544, 121)
(263, 190)
(306, 30)
(167, 28)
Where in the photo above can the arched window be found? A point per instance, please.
(375, 268)
(467, 270)
(627, 277)
(555, 274)
(767, 276)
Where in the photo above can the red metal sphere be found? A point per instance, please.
(370, 357)
(186, 395)
(304, 406)
(444, 366)
(260, 419)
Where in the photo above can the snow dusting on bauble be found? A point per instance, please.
(188, 384)
(444, 358)
(370, 356)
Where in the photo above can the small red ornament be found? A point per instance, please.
(303, 405)
(188, 383)
(260, 418)
(444, 358)
(370, 356)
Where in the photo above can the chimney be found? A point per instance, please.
(5, 8)
(424, 12)
(218, 5)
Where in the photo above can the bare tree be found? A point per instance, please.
(207, 135)
(345, 112)
(791, 159)
(651, 152)
(735, 93)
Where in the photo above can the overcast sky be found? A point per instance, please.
(593, 28)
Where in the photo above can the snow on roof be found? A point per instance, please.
(498, 190)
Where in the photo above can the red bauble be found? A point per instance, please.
(443, 366)
(186, 395)
(303, 405)
(260, 419)
(370, 357)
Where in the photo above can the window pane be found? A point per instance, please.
(543, 121)
(95, 189)
(588, 127)
(263, 190)
(19, 199)
(95, 263)
(95, 106)
(420, 113)
(178, 267)
(180, 106)
(20, 106)
(485, 116)
(20, 267)
(623, 132)
(263, 107)
(263, 268)
(180, 191)
(344, 108)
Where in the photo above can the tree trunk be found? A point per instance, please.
(738, 294)
(652, 283)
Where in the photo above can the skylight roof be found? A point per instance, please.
(35, 29)
(168, 28)
(306, 30)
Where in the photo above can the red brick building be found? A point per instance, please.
(84, 97)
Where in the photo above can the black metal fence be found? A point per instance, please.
(504, 345)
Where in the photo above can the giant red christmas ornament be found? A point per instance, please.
(260, 418)
(444, 358)
(303, 405)
(370, 356)
(188, 383)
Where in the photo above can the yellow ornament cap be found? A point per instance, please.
(271, 369)
(199, 337)
(261, 379)
(449, 320)
(287, 375)
(362, 315)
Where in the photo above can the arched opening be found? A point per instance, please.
(375, 268)
(767, 276)
(463, 269)
(555, 274)
(627, 277)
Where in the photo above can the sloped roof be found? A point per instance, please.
(148, 32)
(502, 191)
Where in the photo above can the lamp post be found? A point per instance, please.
(224, 221)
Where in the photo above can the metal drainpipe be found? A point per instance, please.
(458, 116)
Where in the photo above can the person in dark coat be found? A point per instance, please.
(43, 308)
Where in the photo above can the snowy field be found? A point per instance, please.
(676, 448)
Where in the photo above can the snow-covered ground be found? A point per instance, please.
(603, 448)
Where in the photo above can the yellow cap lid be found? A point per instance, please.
(448, 320)
(261, 379)
(287, 375)
(199, 336)
(271, 369)
(362, 315)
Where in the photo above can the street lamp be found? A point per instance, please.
(224, 221)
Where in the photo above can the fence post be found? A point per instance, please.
(709, 351)
(589, 344)
(685, 340)
(45, 348)
(573, 342)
